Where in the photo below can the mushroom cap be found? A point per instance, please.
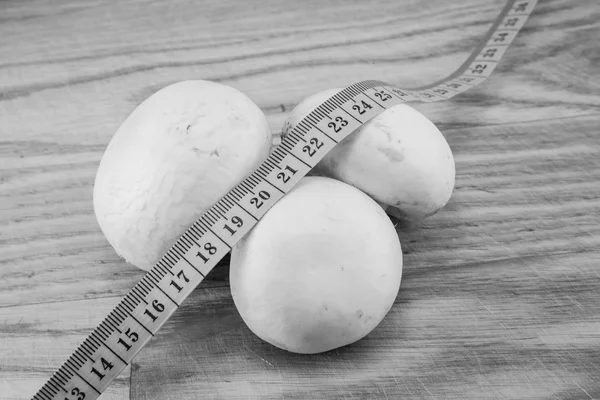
(399, 158)
(176, 155)
(320, 270)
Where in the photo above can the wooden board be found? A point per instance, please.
(501, 292)
(499, 299)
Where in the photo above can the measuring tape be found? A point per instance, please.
(162, 290)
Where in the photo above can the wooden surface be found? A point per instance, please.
(500, 296)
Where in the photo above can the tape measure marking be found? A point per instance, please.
(143, 311)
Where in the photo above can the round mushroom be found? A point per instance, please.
(176, 155)
(399, 158)
(320, 270)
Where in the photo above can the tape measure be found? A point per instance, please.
(151, 302)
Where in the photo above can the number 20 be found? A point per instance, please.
(264, 195)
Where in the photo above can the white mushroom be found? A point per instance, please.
(320, 270)
(177, 154)
(399, 158)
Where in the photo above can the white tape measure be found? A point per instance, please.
(142, 312)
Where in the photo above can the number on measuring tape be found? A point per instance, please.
(382, 97)
(405, 95)
(334, 127)
(469, 80)
(286, 173)
(502, 38)
(481, 68)
(443, 92)
(143, 311)
(76, 389)
(313, 147)
(491, 53)
(258, 199)
(288, 170)
(127, 339)
(153, 308)
(362, 108)
(103, 366)
(210, 249)
(235, 223)
(182, 278)
(430, 95)
(513, 22)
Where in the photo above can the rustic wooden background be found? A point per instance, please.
(501, 292)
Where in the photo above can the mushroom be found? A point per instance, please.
(319, 271)
(176, 155)
(399, 158)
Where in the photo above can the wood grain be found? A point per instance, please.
(36, 339)
(501, 329)
(500, 295)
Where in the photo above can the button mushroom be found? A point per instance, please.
(176, 155)
(320, 270)
(399, 158)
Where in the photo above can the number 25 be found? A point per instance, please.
(383, 95)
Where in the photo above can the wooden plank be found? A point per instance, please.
(499, 296)
(87, 83)
(63, 96)
(35, 340)
(522, 189)
(70, 72)
(523, 327)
